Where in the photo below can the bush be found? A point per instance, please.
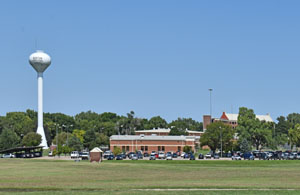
(117, 151)
(187, 149)
(32, 139)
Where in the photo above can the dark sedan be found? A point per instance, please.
(174, 155)
(192, 157)
(201, 156)
(111, 157)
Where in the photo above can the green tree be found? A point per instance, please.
(294, 136)
(62, 138)
(19, 122)
(215, 133)
(66, 150)
(59, 150)
(177, 131)
(117, 151)
(293, 119)
(79, 134)
(8, 139)
(32, 139)
(157, 122)
(187, 123)
(245, 146)
(90, 139)
(102, 139)
(187, 149)
(75, 143)
(258, 133)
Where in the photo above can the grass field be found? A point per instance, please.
(33, 176)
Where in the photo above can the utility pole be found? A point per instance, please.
(210, 106)
(221, 142)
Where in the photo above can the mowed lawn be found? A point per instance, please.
(143, 177)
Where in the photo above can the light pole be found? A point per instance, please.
(210, 106)
(56, 135)
(221, 142)
(68, 134)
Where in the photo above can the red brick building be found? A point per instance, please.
(148, 143)
(165, 132)
(160, 132)
(231, 119)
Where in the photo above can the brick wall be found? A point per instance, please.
(151, 145)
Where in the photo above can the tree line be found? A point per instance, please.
(253, 133)
(84, 130)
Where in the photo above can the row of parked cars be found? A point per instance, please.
(82, 155)
(260, 155)
(22, 155)
(152, 156)
(8, 156)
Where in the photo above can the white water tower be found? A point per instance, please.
(40, 62)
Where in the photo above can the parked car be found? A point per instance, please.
(130, 154)
(8, 156)
(200, 156)
(174, 155)
(74, 154)
(263, 156)
(107, 153)
(186, 155)
(285, 156)
(140, 155)
(119, 157)
(248, 156)
(123, 155)
(277, 155)
(152, 157)
(169, 157)
(50, 154)
(84, 155)
(161, 155)
(208, 155)
(192, 157)
(216, 156)
(153, 153)
(134, 157)
(111, 157)
(236, 157)
(182, 154)
(146, 154)
(298, 156)
(291, 156)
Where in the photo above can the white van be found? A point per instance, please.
(75, 154)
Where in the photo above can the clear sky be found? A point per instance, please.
(152, 57)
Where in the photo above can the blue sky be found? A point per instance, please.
(152, 57)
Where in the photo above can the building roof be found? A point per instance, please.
(21, 149)
(154, 131)
(96, 149)
(266, 118)
(150, 137)
(234, 117)
(190, 131)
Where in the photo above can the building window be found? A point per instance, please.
(158, 148)
(142, 148)
(123, 148)
(127, 148)
(179, 148)
(146, 148)
(163, 148)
